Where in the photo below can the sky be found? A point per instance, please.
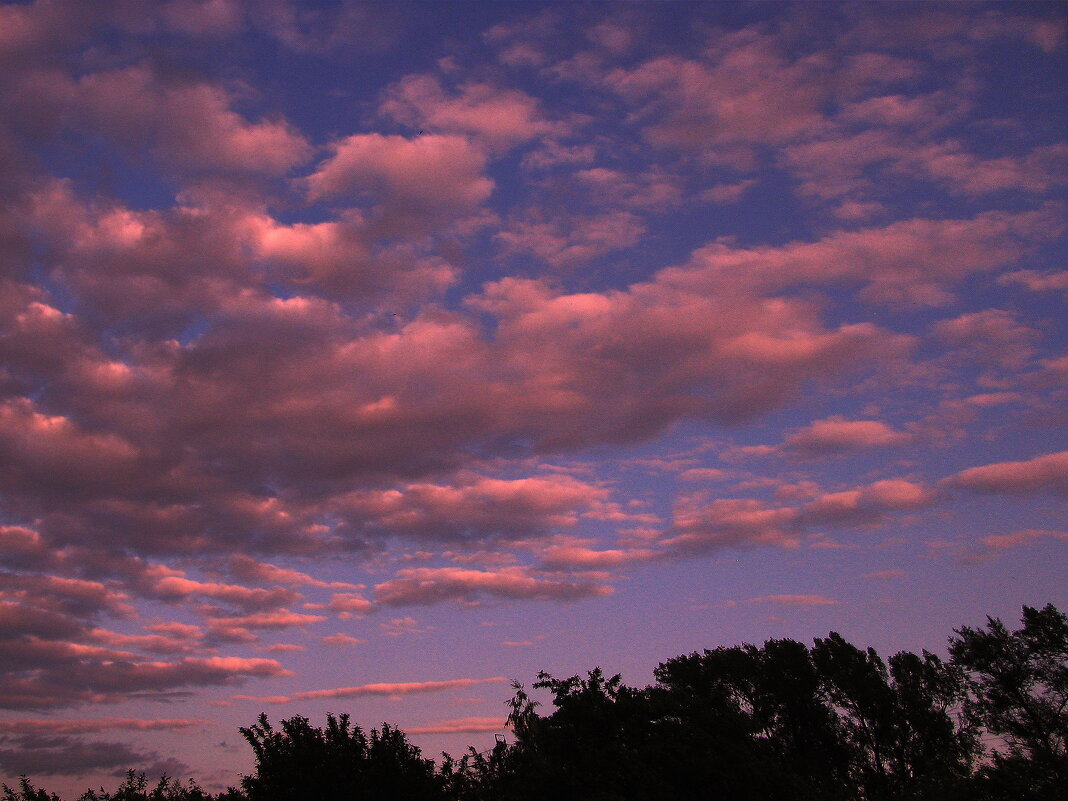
(368, 357)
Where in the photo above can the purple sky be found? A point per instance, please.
(366, 357)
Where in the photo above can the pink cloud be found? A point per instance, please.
(460, 726)
(835, 435)
(65, 676)
(572, 240)
(1039, 171)
(858, 211)
(884, 262)
(174, 262)
(52, 726)
(175, 629)
(928, 112)
(730, 522)
(178, 587)
(247, 568)
(434, 585)
(868, 70)
(748, 91)
(997, 338)
(64, 595)
(501, 118)
(684, 349)
(479, 507)
(19, 542)
(44, 448)
(401, 626)
(1046, 473)
(418, 183)
(567, 557)
(700, 526)
(394, 688)
(998, 542)
(1046, 34)
(889, 136)
(727, 193)
(839, 165)
(704, 474)
(794, 600)
(238, 628)
(263, 699)
(204, 17)
(654, 190)
(36, 27)
(349, 603)
(551, 153)
(678, 350)
(523, 44)
(235, 664)
(1037, 281)
(153, 643)
(867, 504)
(234, 373)
(331, 30)
(341, 641)
(343, 258)
(192, 125)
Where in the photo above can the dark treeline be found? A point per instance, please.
(783, 721)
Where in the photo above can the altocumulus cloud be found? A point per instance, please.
(549, 302)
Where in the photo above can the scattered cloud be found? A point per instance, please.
(461, 726)
(534, 317)
(703, 526)
(1046, 473)
(340, 640)
(422, 586)
(999, 542)
(94, 725)
(501, 118)
(394, 688)
(69, 756)
(793, 600)
(836, 435)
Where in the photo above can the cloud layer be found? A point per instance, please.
(500, 311)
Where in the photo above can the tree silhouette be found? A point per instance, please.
(135, 787)
(27, 792)
(898, 722)
(752, 723)
(302, 762)
(777, 722)
(1019, 692)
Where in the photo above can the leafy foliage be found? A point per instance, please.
(1019, 692)
(305, 763)
(135, 788)
(27, 792)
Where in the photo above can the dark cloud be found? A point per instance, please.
(36, 755)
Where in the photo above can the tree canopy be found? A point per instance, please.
(781, 721)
